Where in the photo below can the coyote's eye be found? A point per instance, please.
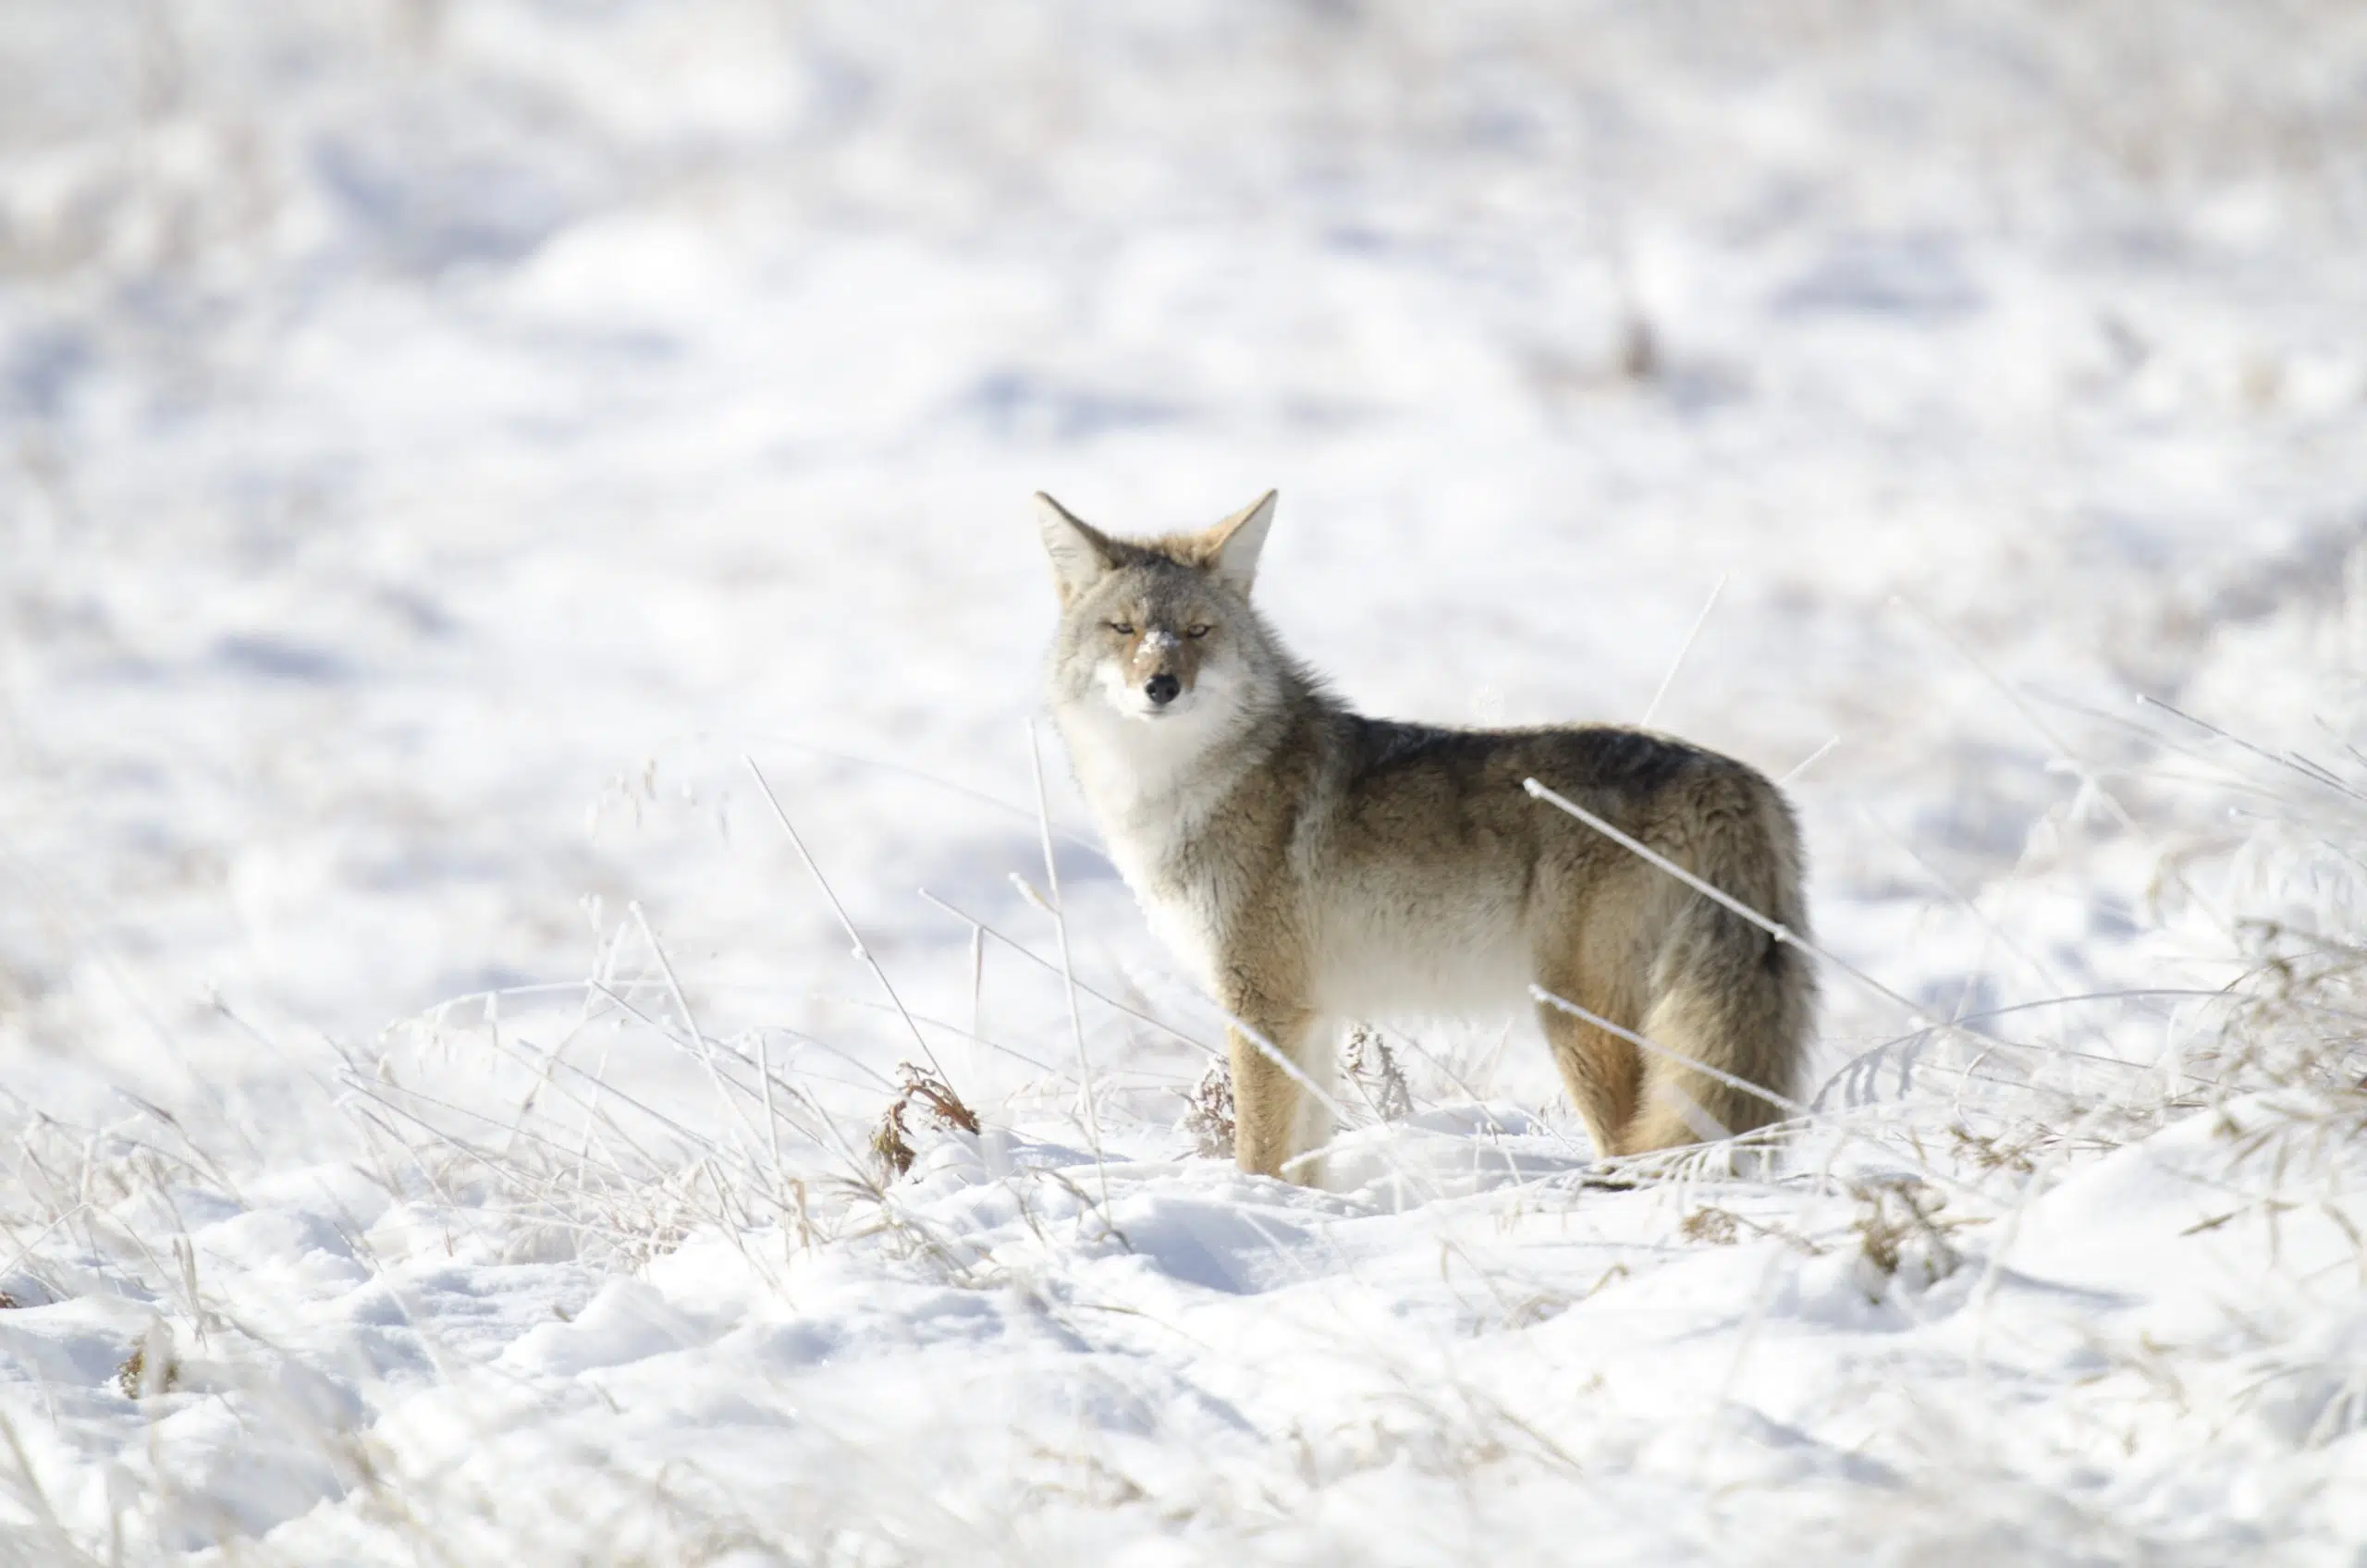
(1196, 632)
(1122, 627)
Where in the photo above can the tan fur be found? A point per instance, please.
(1316, 866)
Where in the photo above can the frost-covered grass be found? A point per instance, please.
(443, 447)
(2000, 1295)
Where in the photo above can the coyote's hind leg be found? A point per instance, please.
(1602, 1073)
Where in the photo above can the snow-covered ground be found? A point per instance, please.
(445, 443)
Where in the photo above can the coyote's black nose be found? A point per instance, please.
(1161, 689)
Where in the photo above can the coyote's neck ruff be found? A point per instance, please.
(1313, 865)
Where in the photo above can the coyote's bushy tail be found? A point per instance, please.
(1725, 993)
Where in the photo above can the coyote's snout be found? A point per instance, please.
(1313, 867)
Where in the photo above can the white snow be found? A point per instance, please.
(441, 445)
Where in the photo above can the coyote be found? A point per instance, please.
(1315, 867)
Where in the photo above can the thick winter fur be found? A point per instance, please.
(1314, 866)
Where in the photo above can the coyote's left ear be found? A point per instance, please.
(1080, 553)
(1233, 545)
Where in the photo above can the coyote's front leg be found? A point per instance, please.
(1270, 1121)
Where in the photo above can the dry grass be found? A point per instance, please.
(892, 1139)
(1209, 1113)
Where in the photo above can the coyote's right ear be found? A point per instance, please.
(1232, 547)
(1080, 553)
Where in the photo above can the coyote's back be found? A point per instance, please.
(1317, 866)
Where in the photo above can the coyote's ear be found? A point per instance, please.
(1232, 547)
(1080, 554)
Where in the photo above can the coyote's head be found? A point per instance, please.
(1157, 627)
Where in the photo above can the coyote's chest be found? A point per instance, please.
(1156, 818)
(1188, 908)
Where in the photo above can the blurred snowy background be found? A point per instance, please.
(440, 438)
